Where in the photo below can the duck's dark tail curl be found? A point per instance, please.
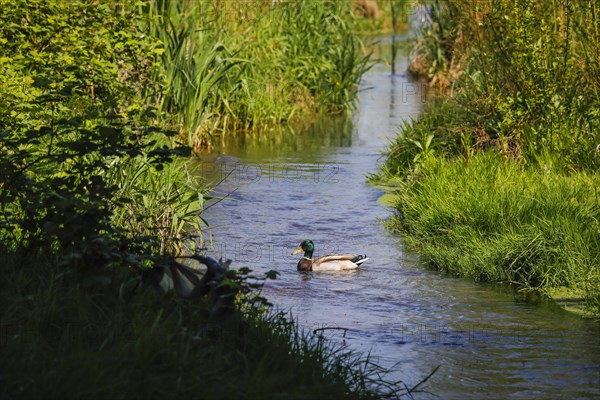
(359, 259)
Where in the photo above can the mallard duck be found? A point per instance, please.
(330, 262)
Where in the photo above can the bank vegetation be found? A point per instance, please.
(499, 178)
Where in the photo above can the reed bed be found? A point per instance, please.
(242, 65)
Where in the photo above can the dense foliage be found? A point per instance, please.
(71, 117)
(525, 77)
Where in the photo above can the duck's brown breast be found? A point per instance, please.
(305, 264)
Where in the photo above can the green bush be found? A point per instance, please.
(70, 76)
(524, 74)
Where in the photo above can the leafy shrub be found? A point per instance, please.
(525, 75)
(71, 114)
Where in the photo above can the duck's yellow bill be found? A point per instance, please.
(298, 250)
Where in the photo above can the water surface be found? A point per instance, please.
(284, 188)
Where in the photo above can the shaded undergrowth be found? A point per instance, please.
(113, 338)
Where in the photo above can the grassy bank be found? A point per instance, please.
(506, 223)
(498, 178)
(95, 189)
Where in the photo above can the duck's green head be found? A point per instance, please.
(307, 246)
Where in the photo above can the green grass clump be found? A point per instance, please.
(498, 222)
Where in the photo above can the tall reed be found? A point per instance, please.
(195, 64)
(241, 65)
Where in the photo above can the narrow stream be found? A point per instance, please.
(285, 188)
